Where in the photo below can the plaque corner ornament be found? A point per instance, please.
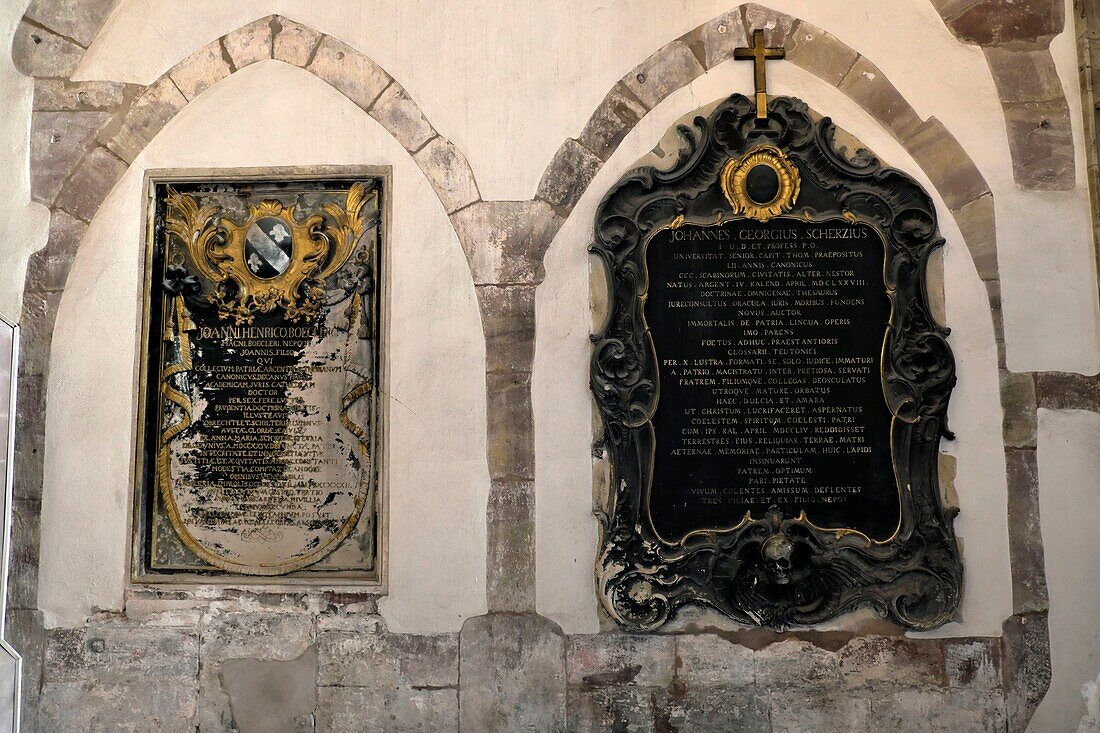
(773, 569)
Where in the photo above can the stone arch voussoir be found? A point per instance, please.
(678, 63)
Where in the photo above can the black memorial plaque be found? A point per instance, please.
(769, 349)
(772, 386)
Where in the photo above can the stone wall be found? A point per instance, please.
(146, 660)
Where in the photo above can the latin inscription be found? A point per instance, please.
(261, 387)
(768, 339)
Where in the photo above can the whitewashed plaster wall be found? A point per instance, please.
(1069, 479)
(507, 82)
(275, 114)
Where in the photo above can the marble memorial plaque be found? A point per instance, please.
(771, 383)
(260, 451)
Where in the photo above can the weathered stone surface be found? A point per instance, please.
(226, 636)
(1041, 141)
(607, 660)
(39, 313)
(1025, 541)
(90, 183)
(342, 709)
(449, 173)
(949, 9)
(568, 175)
(820, 53)
(508, 320)
(294, 42)
(714, 710)
(998, 22)
(616, 116)
(504, 241)
(944, 161)
(602, 709)
(38, 52)
(978, 224)
(272, 696)
(30, 421)
(201, 70)
(117, 650)
(249, 44)
(145, 118)
(1067, 391)
(876, 661)
(776, 25)
(401, 115)
(973, 663)
(86, 96)
(65, 235)
(356, 651)
(24, 631)
(136, 705)
(933, 285)
(511, 439)
(795, 711)
(795, 662)
(669, 68)
(934, 711)
(993, 292)
(872, 91)
(79, 20)
(510, 546)
(947, 469)
(722, 35)
(710, 660)
(58, 141)
(1018, 401)
(1024, 75)
(25, 540)
(353, 74)
(513, 674)
(1026, 665)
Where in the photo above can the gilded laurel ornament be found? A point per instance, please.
(271, 259)
(766, 160)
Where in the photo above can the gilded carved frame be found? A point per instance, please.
(377, 582)
(914, 578)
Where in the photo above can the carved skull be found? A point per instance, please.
(777, 552)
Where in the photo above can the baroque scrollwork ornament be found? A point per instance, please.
(271, 259)
(773, 569)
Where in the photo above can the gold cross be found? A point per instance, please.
(758, 52)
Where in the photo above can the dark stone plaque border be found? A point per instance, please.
(914, 578)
